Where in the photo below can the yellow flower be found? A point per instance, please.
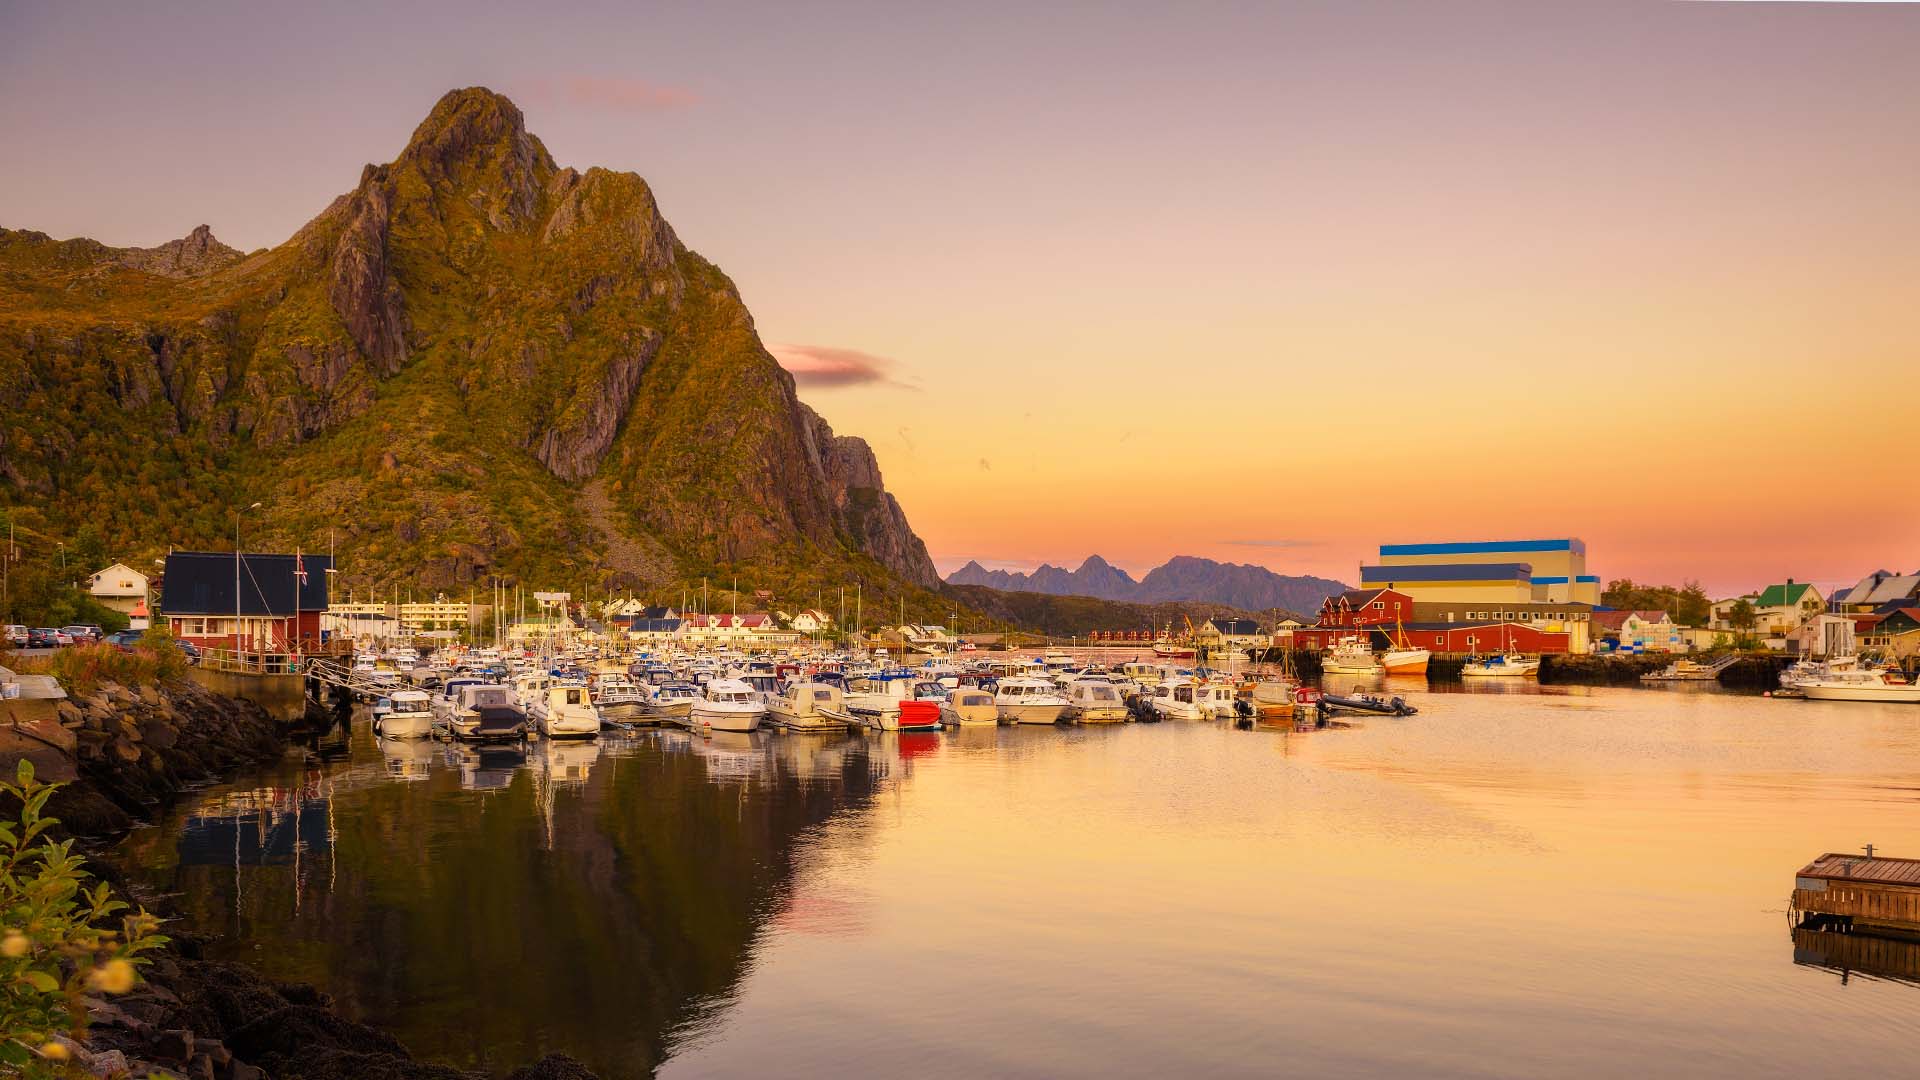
(113, 977)
(14, 944)
(53, 1051)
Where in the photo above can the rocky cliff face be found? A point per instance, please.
(433, 366)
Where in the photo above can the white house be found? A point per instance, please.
(810, 621)
(119, 587)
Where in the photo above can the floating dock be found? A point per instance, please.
(1864, 890)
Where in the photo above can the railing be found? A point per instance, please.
(250, 662)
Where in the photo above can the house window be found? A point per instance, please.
(1380, 605)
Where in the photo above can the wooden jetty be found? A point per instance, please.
(1865, 890)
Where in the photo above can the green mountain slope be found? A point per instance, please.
(475, 364)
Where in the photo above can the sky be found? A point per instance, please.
(1269, 283)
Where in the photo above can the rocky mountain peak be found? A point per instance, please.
(193, 254)
(476, 140)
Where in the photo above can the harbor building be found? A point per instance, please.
(277, 609)
(1494, 571)
(1389, 616)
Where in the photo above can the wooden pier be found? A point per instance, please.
(1866, 890)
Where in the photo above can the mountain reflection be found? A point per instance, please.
(488, 905)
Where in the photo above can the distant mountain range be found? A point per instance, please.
(1183, 577)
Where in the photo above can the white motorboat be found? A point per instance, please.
(1140, 674)
(970, 706)
(1025, 699)
(486, 712)
(672, 702)
(1809, 669)
(1407, 661)
(1862, 684)
(1215, 699)
(727, 705)
(1095, 701)
(1177, 699)
(1350, 656)
(877, 704)
(617, 698)
(409, 717)
(809, 706)
(566, 713)
(1502, 665)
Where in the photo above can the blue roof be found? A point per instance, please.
(1484, 547)
(1448, 572)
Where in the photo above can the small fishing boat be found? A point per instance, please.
(617, 697)
(1025, 699)
(1175, 699)
(486, 712)
(727, 705)
(1216, 700)
(1350, 656)
(567, 713)
(1502, 665)
(970, 706)
(1095, 701)
(409, 716)
(809, 706)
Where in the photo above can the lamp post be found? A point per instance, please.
(236, 579)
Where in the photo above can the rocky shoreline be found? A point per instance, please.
(128, 755)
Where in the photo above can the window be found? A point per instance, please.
(1381, 605)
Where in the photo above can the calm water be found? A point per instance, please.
(1574, 883)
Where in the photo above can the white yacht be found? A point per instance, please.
(727, 705)
(616, 696)
(411, 716)
(809, 706)
(567, 712)
(1095, 701)
(1026, 699)
(1861, 684)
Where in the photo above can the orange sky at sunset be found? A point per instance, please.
(1269, 284)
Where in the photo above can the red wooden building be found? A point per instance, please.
(1474, 637)
(277, 608)
(1364, 607)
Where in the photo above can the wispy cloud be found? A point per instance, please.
(827, 366)
(1273, 543)
(617, 93)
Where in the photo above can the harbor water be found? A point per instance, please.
(1538, 882)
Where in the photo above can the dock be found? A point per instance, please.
(1863, 890)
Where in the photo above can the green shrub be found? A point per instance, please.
(58, 938)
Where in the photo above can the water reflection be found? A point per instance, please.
(1848, 953)
(498, 902)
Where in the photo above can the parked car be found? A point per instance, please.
(46, 637)
(188, 647)
(82, 632)
(124, 640)
(16, 637)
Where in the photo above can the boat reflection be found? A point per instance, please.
(409, 759)
(487, 767)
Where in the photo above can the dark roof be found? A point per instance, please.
(1235, 627)
(201, 583)
(1380, 575)
(652, 626)
(1357, 597)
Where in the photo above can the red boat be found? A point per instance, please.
(919, 716)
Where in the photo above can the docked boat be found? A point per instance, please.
(1350, 656)
(727, 705)
(809, 706)
(1502, 665)
(1095, 701)
(1216, 700)
(897, 701)
(1141, 674)
(486, 712)
(1176, 699)
(567, 712)
(1862, 684)
(410, 716)
(1026, 699)
(617, 697)
(1273, 699)
(1165, 646)
(1404, 658)
(670, 702)
(970, 706)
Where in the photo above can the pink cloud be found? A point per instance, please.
(827, 366)
(616, 92)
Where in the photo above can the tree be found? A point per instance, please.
(1741, 615)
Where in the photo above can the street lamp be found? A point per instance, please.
(236, 578)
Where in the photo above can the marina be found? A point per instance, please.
(743, 895)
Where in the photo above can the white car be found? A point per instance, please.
(16, 636)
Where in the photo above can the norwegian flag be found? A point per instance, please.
(299, 568)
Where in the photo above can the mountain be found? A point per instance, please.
(475, 363)
(1181, 578)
